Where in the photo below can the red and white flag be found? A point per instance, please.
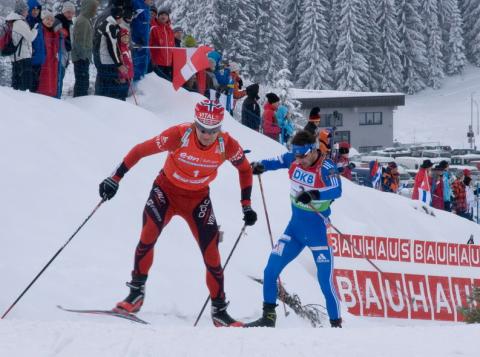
(187, 62)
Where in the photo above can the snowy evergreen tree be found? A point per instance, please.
(390, 69)
(293, 15)
(270, 45)
(313, 70)
(454, 49)
(374, 52)
(333, 20)
(412, 45)
(351, 68)
(434, 71)
(471, 29)
(283, 88)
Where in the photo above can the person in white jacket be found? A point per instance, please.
(22, 38)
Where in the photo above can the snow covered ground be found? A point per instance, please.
(54, 155)
(441, 115)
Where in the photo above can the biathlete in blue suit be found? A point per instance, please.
(315, 183)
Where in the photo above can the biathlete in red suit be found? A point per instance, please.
(195, 152)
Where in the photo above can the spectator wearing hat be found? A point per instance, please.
(390, 178)
(63, 25)
(22, 38)
(469, 193)
(437, 187)
(251, 109)
(460, 195)
(422, 187)
(285, 124)
(313, 121)
(82, 46)
(344, 166)
(162, 42)
(38, 45)
(270, 125)
(446, 185)
(140, 34)
(178, 34)
(48, 80)
(153, 15)
(109, 59)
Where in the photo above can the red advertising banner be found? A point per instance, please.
(418, 295)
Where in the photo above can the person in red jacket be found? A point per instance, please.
(270, 126)
(125, 77)
(421, 187)
(48, 80)
(344, 166)
(437, 187)
(161, 35)
(195, 152)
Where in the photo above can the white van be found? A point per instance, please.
(409, 162)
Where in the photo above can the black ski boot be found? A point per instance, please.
(336, 323)
(220, 316)
(268, 318)
(134, 301)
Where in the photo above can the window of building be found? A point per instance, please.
(341, 136)
(371, 118)
(330, 120)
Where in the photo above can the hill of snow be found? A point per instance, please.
(54, 155)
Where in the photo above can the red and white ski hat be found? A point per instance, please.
(209, 114)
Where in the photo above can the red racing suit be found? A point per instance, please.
(181, 188)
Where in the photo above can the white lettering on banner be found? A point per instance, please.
(345, 290)
(371, 295)
(388, 292)
(441, 299)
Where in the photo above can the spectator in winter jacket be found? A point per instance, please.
(140, 32)
(238, 93)
(447, 190)
(22, 38)
(437, 187)
(178, 33)
(153, 15)
(125, 78)
(63, 25)
(161, 35)
(270, 126)
(285, 124)
(390, 178)
(82, 47)
(48, 81)
(109, 56)
(251, 109)
(469, 196)
(421, 187)
(460, 196)
(313, 121)
(344, 166)
(38, 45)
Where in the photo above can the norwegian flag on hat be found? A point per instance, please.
(209, 114)
(187, 62)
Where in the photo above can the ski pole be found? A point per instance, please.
(282, 290)
(132, 88)
(53, 258)
(350, 244)
(242, 232)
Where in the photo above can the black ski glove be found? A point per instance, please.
(257, 168)
(351, 166)
(249, 215)
(108, 188)
(307, 196)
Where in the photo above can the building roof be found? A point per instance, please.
(346, 99)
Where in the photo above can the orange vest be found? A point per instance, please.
(192, 167)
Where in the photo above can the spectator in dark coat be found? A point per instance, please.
(251, 109)
(82, 47)
(313, 121)
(38, 45)
(63, 25)
(178, 33)
(390, 178)
(140, 32)
(109, 60)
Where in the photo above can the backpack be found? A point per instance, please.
(7, 48)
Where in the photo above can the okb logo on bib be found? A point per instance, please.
(303, 177)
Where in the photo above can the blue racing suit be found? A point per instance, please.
(306, 227)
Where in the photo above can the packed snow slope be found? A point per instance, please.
(53, 156)
(441, 115)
